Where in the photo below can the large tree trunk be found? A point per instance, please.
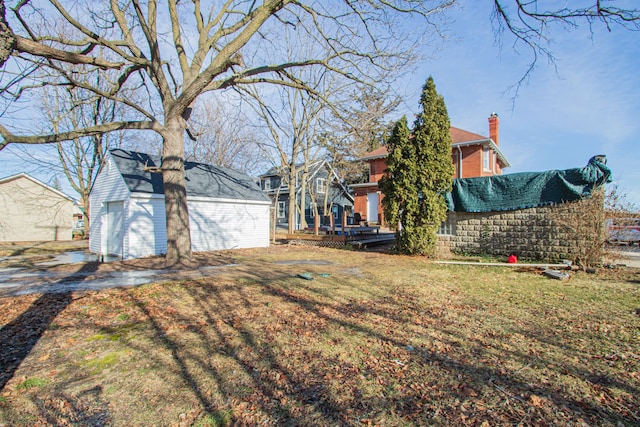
(175, 195)
(7, 40)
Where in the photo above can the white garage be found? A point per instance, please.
(227, 209)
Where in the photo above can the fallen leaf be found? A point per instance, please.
(536, 401)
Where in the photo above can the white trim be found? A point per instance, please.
(37, 181)
(220, 200)
(374, 157)
(486, 159)
(146, 196)
(321, 185)
(149, 196)
(485, 142)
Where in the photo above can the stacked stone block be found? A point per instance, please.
(570, 231)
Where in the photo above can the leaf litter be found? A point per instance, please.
(406, 342)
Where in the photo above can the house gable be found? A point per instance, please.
(321, 180)
(110, 184)
(31, 210)
(49, 188)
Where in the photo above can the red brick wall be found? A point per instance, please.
(376, 169)
(471, 161)
(471, 167)
(360, 200)
(360, 203)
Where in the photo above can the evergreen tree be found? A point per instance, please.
(419, 173)
(399, 177)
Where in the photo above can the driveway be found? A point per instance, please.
(628, 255)
(79, 271)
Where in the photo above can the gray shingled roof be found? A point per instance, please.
(202, 180)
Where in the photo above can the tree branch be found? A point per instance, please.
(24, 45)
(10, 138)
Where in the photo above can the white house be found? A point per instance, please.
(227, 209)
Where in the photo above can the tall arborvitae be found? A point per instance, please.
(398, 179)
(419, 174)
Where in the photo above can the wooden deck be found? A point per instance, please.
(349, 230)
(355, 236)
(372, 240)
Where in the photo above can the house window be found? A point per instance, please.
(281, 209)
(486, 159)
(321, 185)
(267, 183)
(448, 227)
(334, 209)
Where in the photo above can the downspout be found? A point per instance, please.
(459, 162)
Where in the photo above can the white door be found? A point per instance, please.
(115, 228)
(372, 207)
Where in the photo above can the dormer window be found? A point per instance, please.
(321, 185)
(267, 183)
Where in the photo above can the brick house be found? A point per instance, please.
(473, 155)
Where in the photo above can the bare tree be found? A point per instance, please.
(231, 44)
(224, 136)
(292, 130)
(80, 158)
(359, 126)
(529, 23)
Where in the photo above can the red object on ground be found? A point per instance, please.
(513, 259)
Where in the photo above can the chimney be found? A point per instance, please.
(493, 127)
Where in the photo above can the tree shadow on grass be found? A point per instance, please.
(224, 358)
(278, 375)
(259, 364)
(22, 334)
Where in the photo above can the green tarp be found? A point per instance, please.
(527, 189)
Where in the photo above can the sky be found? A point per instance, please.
(587, 104)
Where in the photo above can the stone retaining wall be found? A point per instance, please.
(572, 231)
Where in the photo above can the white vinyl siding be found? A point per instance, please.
(219, 224)
(147, 234)
(109, 187)
(215, 223)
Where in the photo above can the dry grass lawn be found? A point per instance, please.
(373, 339)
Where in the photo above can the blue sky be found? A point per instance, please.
(589, 104)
